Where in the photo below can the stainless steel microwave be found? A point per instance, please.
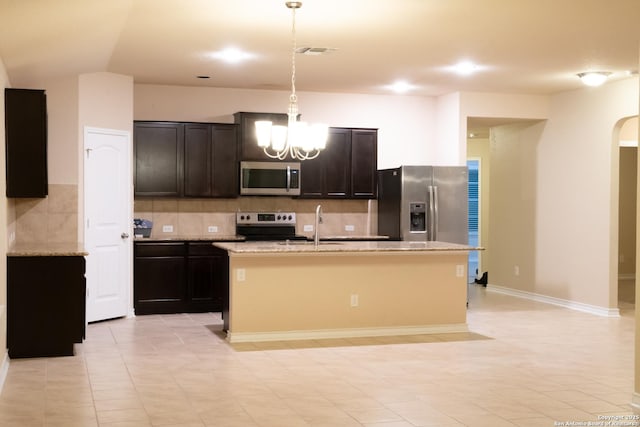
(270, 178)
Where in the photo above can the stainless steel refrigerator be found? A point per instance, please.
(421, 203)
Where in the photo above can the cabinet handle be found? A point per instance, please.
(124, 235)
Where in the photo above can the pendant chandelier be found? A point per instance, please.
(298, 140)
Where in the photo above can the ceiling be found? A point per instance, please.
(520, 46)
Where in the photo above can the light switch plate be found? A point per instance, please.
(308, 227)
(167, 228)
(459, 270)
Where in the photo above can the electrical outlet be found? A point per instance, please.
(349, 228)
(167, 228)
(308, 227)
(459, 270)
(12, 237)
(516, 270)
(241, 275)
(212, 229)
(354, 300)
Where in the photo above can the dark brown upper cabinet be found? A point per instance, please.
(248, 148)
(210, 160)
(186, 159)
(364, 163)
(345, 169)
(26, 142)
(158, 152)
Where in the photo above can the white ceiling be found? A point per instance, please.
(524, 46)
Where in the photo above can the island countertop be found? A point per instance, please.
(346, 246)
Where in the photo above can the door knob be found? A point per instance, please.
(124, 235)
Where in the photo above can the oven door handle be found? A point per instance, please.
(288, 178)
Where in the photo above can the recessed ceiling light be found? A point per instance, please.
(594, 78)
(401, 86)
(465, 68)
(232, 55)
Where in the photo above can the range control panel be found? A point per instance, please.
(265, 218)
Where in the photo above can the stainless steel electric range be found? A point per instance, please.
(275, 226)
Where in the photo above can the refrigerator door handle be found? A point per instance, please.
(430, 219)
(436, 219)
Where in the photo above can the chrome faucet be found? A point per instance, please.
(316, 238)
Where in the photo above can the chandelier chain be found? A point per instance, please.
(301, 141)
(293, 97)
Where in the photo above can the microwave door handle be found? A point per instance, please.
(288, 178)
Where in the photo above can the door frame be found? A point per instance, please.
(129, 216)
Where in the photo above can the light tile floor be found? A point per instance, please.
(523, 364)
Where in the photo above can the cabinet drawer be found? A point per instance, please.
(160, 249)
(204, 248)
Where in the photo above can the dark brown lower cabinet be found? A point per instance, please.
(178, 277)
(46, 300)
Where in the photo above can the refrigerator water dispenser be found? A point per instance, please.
(418, 212)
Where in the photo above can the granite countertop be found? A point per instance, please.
(343, 246)
(47, 249)
(216, 238)
(235, 238)
(351, 237)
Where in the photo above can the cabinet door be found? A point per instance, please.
(207, 271)
(26, 142)
(364, 163)
(205, 292)
(158, 149)
(160, 284)
(225, 172)
(312, 178)
(197, 160)
(45, 305)
(249, 149)
(337, 163)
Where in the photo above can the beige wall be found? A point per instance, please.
(577, 164)
(406, 124)
(627, 213)
(511, 228)
(542, 178)
(480, 148)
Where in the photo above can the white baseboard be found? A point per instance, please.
(573, 305)
(4, 369)
(343, 333)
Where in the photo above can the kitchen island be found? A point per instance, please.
(297, 291)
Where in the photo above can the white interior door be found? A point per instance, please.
(107, 215)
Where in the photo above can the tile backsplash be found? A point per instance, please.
(53, 219)
(194, 217)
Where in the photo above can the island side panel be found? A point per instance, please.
(284, 292)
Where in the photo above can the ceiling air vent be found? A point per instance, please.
(306, 50)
